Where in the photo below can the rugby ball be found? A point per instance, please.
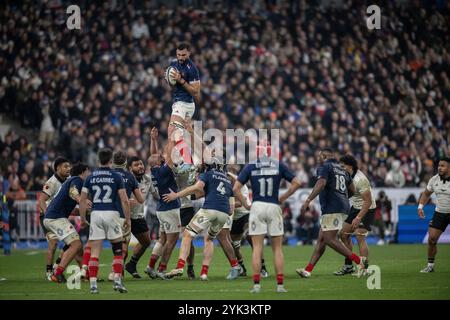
(170, 71)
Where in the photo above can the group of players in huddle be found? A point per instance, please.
(111, 199)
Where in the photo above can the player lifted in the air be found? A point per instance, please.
(265, 176)
(56, 217)
(105, 186)
(185, 92)
(334, 185)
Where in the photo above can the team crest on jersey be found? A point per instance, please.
(59, 232)
(336, 222)
(200, 219)
(253, 226)
(116, 230)
(166, 225)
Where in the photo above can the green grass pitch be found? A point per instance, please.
(22, 277)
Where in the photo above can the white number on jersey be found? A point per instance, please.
(262, 187)
(221, 189)
(106, 198)
(340, 183)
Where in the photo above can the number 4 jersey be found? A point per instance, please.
(218, 190)
(102, 186)
(265, 177)
(334, 198)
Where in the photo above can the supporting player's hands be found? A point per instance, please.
(154, 133)
(133, 202)
(170, 196)
(246, 205)
(89, 204)
(188, 126)
(421, 213)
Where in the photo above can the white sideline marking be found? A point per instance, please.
(3, 279)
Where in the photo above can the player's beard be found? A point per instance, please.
(138, 175)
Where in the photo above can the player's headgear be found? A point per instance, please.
(78, 168)
(59, 161)
(120, 159)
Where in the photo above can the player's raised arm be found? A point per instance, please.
(154, 141)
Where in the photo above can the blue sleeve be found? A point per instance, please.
(87, 183)
(194, 75)
(77, 183)
(323, 172)
(203, 177)
(134, 182)
(244, 176)
(286, 173)
(120, 184)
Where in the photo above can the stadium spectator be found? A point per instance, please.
(307, 228)
(383, 216)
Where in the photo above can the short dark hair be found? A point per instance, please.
(59, 161)
(349, 160)
(78, 168)
(182, 46)
(104, 155)
(119, 158)
(446, 159)
(132, 159)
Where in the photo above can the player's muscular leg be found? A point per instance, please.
(224, 240)
(433, 237)
(208, 251)
(52, 244)
(144, 242)
(345, 235)
(277, 248)
(258, 242)
(172, 239)
(185, 245)
(236, 241)
(319, 249)
(362, 243)
(73, 250)
(330, 238)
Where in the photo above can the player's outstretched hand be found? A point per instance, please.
(421, 213)
(169, 196)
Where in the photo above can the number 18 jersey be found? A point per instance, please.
(102, 186)
(334, 197)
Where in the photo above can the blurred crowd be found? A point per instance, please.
(316, 73)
